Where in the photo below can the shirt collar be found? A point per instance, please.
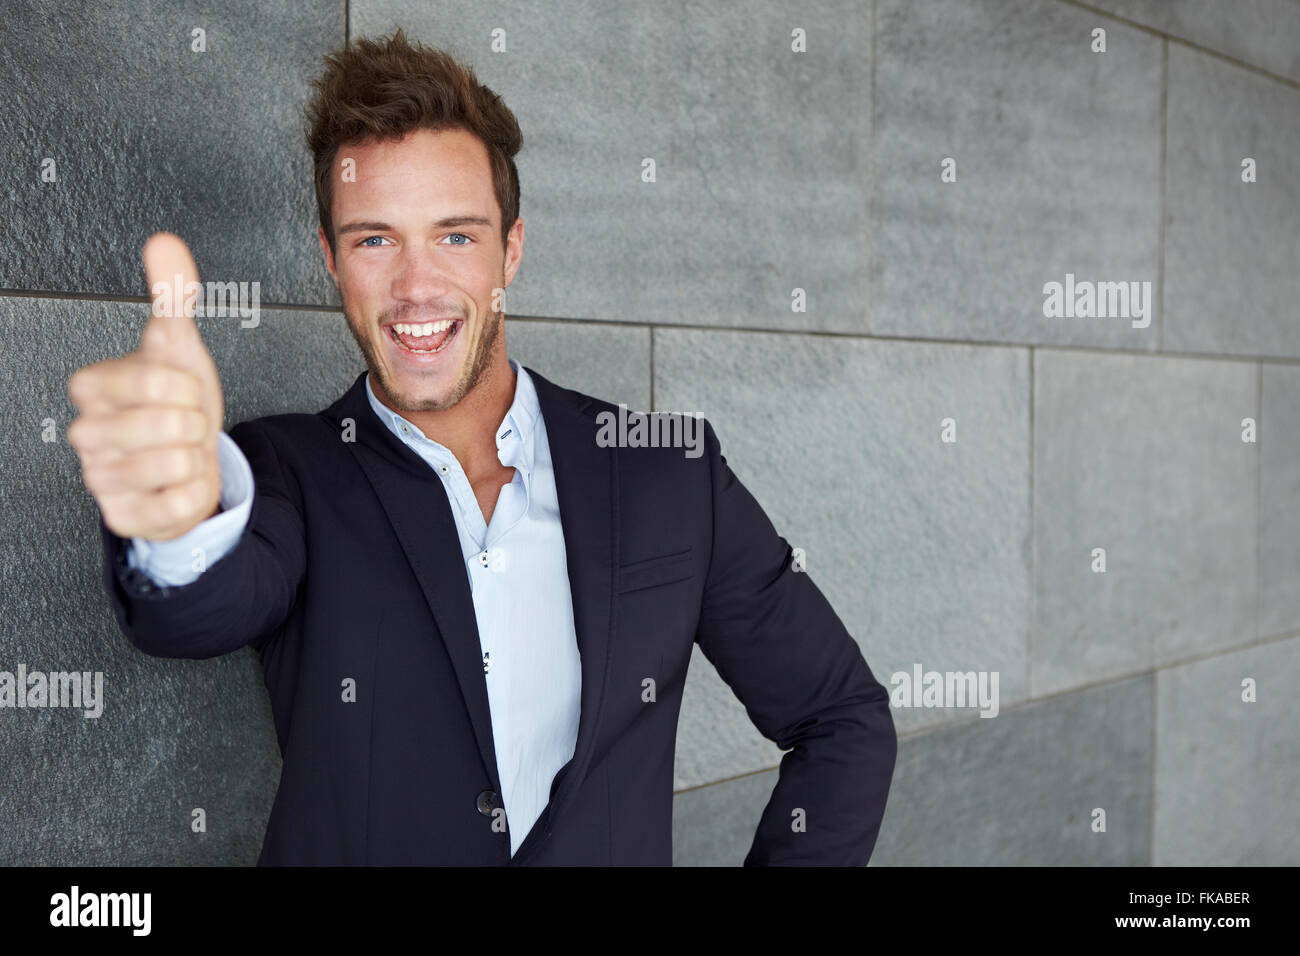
(515, 436)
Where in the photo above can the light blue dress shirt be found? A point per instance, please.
(518, 577)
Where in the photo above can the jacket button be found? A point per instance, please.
(487, 801)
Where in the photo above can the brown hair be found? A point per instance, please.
(384, 89)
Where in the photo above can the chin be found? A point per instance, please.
(417, 395)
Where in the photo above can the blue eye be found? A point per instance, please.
(460, 234)
(366, 241)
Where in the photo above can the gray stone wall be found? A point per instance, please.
(841, 262)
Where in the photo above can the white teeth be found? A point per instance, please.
(428, 328)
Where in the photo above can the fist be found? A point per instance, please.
(148, 423)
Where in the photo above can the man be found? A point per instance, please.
(474, 617)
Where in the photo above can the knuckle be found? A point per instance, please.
(170, 421)
(82, 386)
(181, 503)
(189, 387)
(192, 426)
(121, 514)
(161, 507)
(86, 434)
(112, 517)
(168, 507)
(149, 384)
(92, 478)
(153, 336)
(176, 425)
(179, 463)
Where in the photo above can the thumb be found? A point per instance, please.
(170, 332)
(170, 335)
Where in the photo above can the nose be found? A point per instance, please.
(422, 279)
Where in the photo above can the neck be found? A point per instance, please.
(468, 430)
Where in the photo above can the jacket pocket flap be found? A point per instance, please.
(662, 569)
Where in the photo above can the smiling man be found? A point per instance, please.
(474, 617)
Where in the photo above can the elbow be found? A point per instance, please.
(880, 733)
(176, 644)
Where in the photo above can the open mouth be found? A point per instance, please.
(424, 338)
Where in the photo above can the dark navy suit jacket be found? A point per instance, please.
(350, 567)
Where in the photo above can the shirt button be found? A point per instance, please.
(483, 559)
(487, 801)
(443, 468)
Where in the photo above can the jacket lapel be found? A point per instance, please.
(428, 536)
(587, 491)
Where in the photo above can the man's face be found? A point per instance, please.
(418, 242)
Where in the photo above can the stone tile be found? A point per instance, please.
(1015, 790)
(1263, 33)
(1232, 285)
(715, 737)
(1227, 771)
(608, 361)
(120, 789)
(1020, 789)
(1279, 489)
(295, 360)
(147, 135)
(715, 825)
(1058, 169)
(739, 214)
(1141, 456)
(920, 546)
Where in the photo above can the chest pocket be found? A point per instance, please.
(652, 572)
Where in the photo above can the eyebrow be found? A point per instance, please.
(447, 223)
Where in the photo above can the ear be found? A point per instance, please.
(514, 250)
(328, 252)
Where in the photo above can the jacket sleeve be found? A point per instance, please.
(243, 597)
(776, 641)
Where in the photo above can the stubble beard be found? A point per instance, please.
(480, 355)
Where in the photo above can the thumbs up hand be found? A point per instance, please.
(147, 432)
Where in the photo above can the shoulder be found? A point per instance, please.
(290, 431)
(640, 436)
(285, 431)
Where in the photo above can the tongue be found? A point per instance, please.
(424, 342)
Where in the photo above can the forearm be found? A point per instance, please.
(832, 787)
(239, 590)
